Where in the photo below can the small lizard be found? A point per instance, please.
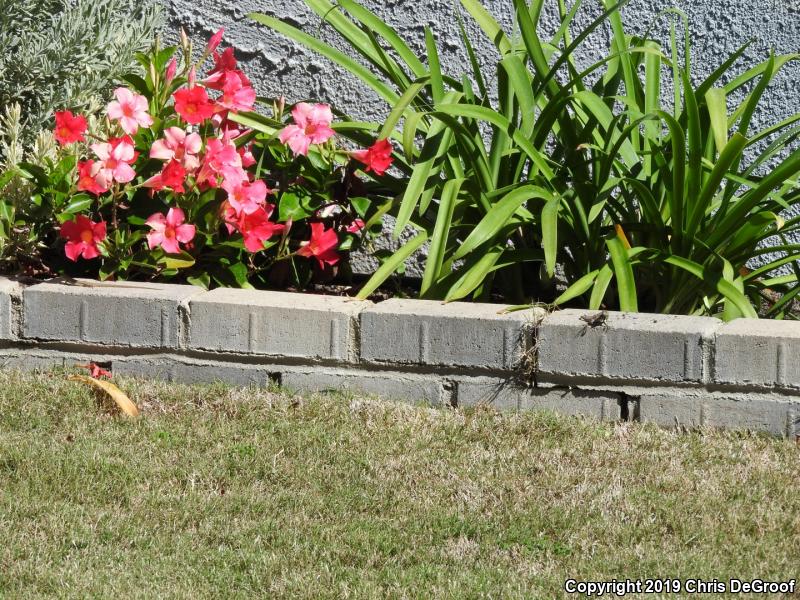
(596, 320)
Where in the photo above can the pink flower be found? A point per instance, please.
(69, 128)
(256, 228)
(214, 41)
(245, 196)
(130, 110)
(321, 246)
(171, 176)
(169, 231)
(87, 170)
(356, 226)
(246, 152)
(193, 105)
(176, 145)
(221, 160)
(172, 68)
(311, 126)
(235, 95)
(116, 155)
(82, 237)
(377, 157)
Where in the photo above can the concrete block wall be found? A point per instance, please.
(670, 370)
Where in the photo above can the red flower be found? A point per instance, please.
(322, 245)
(82, 237)
(171, 176)
(69, 128)
(214, 41)
(193, 105)
(356, 226)
(377, 157)
(96, 370)
(87, 182)
(256, 228)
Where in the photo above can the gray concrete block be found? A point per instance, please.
(44, 360)
(769, 413)
(405, 387)
(636, 347)
(110, 313)
(10, 293)
(505, 394)
(758, 352)
(275, 324)
(456, 334)
(169, 368)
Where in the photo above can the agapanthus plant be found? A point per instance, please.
(172, 183)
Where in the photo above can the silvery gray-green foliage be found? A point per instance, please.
(57, 54)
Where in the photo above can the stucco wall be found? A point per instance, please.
(279, 66)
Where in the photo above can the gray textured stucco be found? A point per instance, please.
(280, 66)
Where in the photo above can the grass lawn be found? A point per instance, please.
(223, 493)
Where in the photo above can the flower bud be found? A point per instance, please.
(214, 41)
(172, 67)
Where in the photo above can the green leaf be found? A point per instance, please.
(184, 260)
(550, 233)
(577, 289)
(499, 217)
(441, 232)
(475, 275)
(391, 265)
(490, 27)
(329, 52)
(623, 271)
(718, 114)
(78, 203)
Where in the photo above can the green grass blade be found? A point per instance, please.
(600, 287)
(401, 107)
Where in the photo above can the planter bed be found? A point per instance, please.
(670, 370)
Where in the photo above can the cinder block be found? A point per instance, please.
(10, 292)
(110, 313)
(168, 368)
(505, 394)
(758, 352)
(754, 412)
(456, 334)
(636, 347)
(388, 385)
(275, 324)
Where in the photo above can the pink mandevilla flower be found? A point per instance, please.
(311, 126)
(192, 104)
(177, 145)
(377, 157)
(171, 176)
(170, 231)
(130, 110)
(246, 197)
(172, 68)
(256, 228)
(116, 157)
(235, 95)
(321, 246)
(87, 170)
(82, 237)
(221, 160)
